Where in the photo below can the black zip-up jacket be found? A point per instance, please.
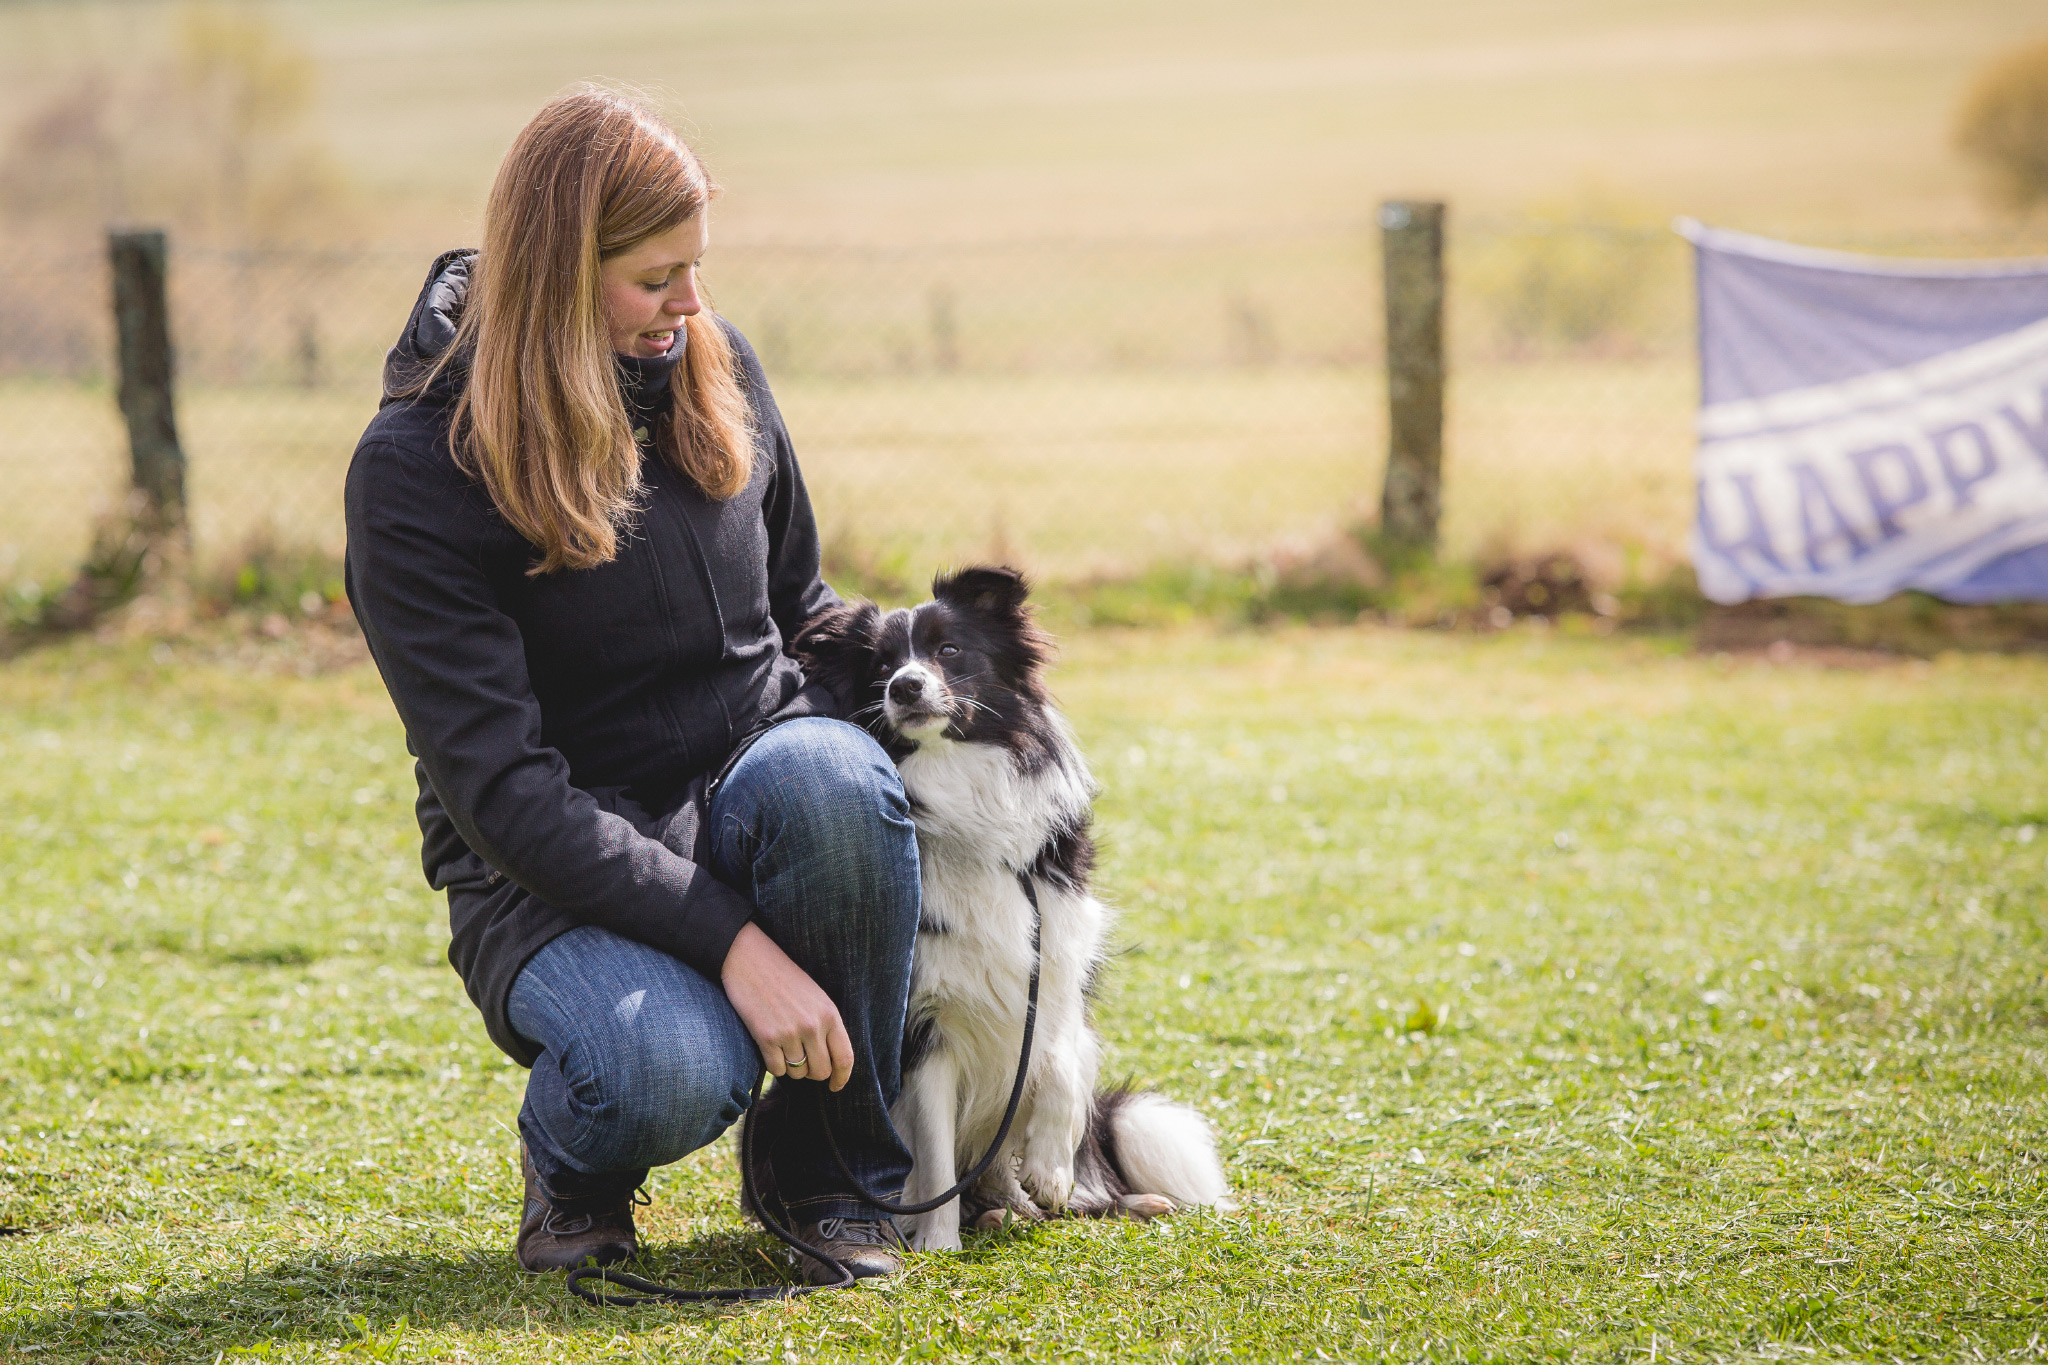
(566, 725)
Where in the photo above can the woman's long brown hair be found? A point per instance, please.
(541, 421)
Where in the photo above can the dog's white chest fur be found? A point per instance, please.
(982, 824)
(972, 803)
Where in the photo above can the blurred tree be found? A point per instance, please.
(1576, 272)
(65, 156)
(2003, 125)
(212, 141)
(245, 93)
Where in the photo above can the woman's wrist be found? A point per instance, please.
(743, 950)
(794, 1024)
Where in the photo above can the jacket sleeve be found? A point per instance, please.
(796, 589)
(455, 665)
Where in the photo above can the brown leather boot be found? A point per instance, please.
(550, 1239)
(868, 1247)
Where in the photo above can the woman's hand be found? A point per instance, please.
(789, 1016)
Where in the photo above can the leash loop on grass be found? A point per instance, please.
(593, 1283)
(647, 1292)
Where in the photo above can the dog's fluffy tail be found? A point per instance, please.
(1160, 1147)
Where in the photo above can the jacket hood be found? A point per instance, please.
(430, 330)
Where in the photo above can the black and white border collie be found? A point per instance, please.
(954, 690)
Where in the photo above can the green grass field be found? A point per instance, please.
(1554, 998)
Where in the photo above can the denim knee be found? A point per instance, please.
(833, 780)
(837, 771)
(642, 1059)
(641, 1102)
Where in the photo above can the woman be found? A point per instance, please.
(577, 542)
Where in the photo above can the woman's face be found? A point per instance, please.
(649, 290)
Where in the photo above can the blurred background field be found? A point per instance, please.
(1094, 290)
(946, 403)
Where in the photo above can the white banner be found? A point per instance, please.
(1870, 426)
(1916, 477)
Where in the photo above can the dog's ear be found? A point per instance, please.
(991, 589)
(833, 633)
(836, 647)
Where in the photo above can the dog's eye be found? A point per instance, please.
(948, 651)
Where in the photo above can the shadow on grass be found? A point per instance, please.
(371, 1302)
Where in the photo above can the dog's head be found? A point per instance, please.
(967, 665)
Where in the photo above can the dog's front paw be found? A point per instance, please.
(1050, 1186)
(937, 1230)
(935, 1239)
(1014, 1206)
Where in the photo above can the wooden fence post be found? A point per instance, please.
(1412, 253)
(142, 322)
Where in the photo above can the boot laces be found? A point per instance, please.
(869, 1232)
(560, 1224)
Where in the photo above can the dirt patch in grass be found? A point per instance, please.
(1911, 623)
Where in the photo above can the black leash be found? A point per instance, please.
(646, 1292)
(1009, 1112)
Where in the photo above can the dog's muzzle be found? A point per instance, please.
(915, 697)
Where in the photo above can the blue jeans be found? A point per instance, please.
(643, 1059)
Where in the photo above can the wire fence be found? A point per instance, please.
(1080, 407)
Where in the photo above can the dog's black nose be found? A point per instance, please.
(906, 688)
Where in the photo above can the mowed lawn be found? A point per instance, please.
(1553, 997)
